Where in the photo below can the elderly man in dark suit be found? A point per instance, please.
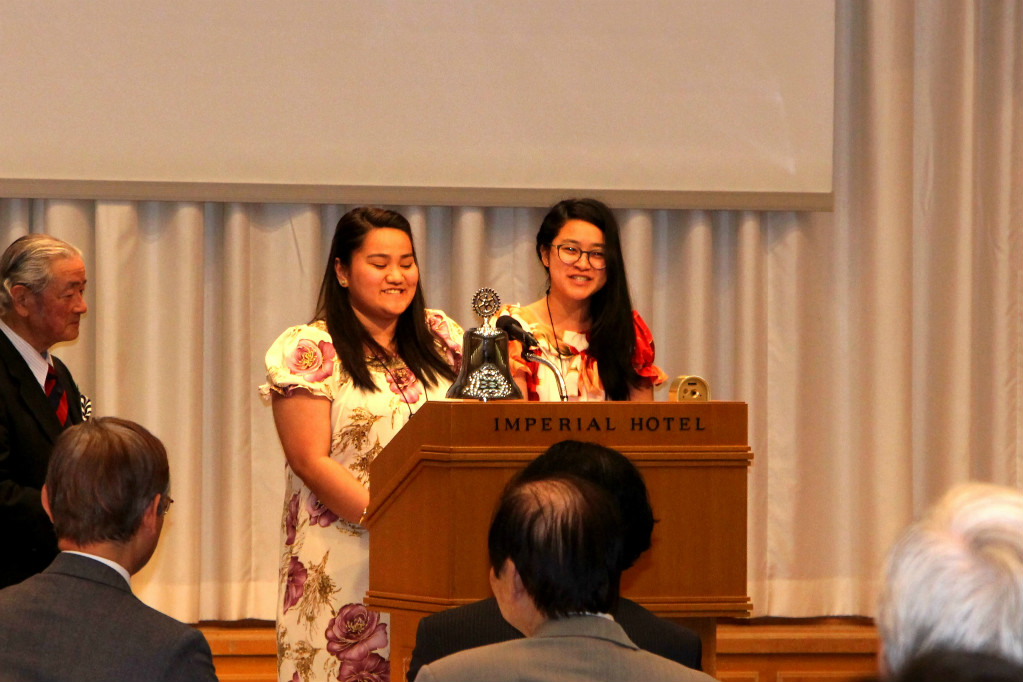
(107, 491)
(555, 548)
(42, 281)
(480, 623)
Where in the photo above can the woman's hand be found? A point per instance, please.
(303, 425)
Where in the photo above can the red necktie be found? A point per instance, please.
(55, 392)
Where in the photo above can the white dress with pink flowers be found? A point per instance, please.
(323, 630)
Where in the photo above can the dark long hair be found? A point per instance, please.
(414, 342)
(612, 333)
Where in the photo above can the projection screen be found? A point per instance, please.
(647, 103)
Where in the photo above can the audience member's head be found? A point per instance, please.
(954, 579)
(944, 665)
(107, 477)
(612, 471)
(557, 544)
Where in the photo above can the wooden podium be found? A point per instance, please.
(435, 485)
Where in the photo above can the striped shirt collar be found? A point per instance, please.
(38, 363)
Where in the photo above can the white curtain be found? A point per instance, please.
(880, 347)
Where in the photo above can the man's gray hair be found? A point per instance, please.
(954, 579)
(27, 261)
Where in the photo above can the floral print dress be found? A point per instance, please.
(582, 381)
(323, 630)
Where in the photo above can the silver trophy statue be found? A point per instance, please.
(485, 374)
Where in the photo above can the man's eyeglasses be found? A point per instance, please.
(570, 255)
(166, 502)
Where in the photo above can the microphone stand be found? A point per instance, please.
(530, 356)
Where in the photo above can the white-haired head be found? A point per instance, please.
(28, 262)
(954, 579)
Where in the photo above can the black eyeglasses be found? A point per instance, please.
(570, 255)
(166, 507)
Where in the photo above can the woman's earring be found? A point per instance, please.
(344, 282)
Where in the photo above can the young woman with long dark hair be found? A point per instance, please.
(585, 323)
(341, 387)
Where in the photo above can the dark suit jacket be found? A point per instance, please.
(78, 620)
(481, 623)
(573, 648)
(28, 429)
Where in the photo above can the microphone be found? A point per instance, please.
(510, 326)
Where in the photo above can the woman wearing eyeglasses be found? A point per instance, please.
(585, 324)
